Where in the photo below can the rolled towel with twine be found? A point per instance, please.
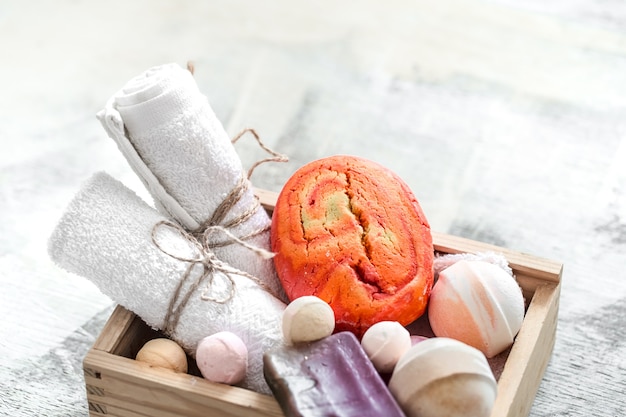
(167, 276)
(172, 139)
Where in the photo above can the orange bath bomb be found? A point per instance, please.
(351, 232)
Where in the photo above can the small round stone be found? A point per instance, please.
(444, 377)
(163, 353)
(307, 319)
(222, 357)
(385, 342)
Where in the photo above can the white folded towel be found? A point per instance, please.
(171, 137)
(106, 235)
(442, 262)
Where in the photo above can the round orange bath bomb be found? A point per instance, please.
(351, 232)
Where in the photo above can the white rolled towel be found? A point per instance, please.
(105, 235)
(171, 137)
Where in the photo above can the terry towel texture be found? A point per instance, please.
(171, 137)
(105, 235)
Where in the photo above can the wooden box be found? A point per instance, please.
(117, 385)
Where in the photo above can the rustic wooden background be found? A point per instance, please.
(506, 118)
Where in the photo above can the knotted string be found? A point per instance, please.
(242, 186)
(200, 240)
(211, 265)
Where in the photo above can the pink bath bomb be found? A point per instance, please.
(385, 342)
(222, 357)
(477, 303)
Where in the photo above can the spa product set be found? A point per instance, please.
(313, 304)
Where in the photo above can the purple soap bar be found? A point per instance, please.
(329, 377)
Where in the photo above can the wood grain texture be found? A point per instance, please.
(134, 388)
(530, 354)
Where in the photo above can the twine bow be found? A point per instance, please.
(211, 265)
(200, 240)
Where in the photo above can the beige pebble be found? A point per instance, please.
(385, 342)
(443, 377)
(307, 319)
(163, 353)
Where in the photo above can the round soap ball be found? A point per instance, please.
(443, 377)
(163, 353)
(478, 303)
(222, 357)
(384, 343)
(307, 319)
(351, 232)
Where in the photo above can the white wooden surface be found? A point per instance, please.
(506, 118)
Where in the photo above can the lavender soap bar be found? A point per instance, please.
(329, 377)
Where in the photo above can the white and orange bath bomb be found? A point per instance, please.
(478, 303)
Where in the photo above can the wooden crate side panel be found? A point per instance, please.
(124, 411)
(137, 334)
(123, 406)
(138, 387)
(529, 285)
(124, 333)
(529, 356)
(522, 264)
(114, 331)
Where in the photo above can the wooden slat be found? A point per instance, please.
(530, 355)
(529, 265)
(114, 330)
(141, 388)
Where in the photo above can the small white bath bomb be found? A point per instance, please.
(163, 353)
(222, 357)
(307, 319)
(385, 342)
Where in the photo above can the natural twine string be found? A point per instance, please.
(276, 157)
(211, 265)
(204, 245)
